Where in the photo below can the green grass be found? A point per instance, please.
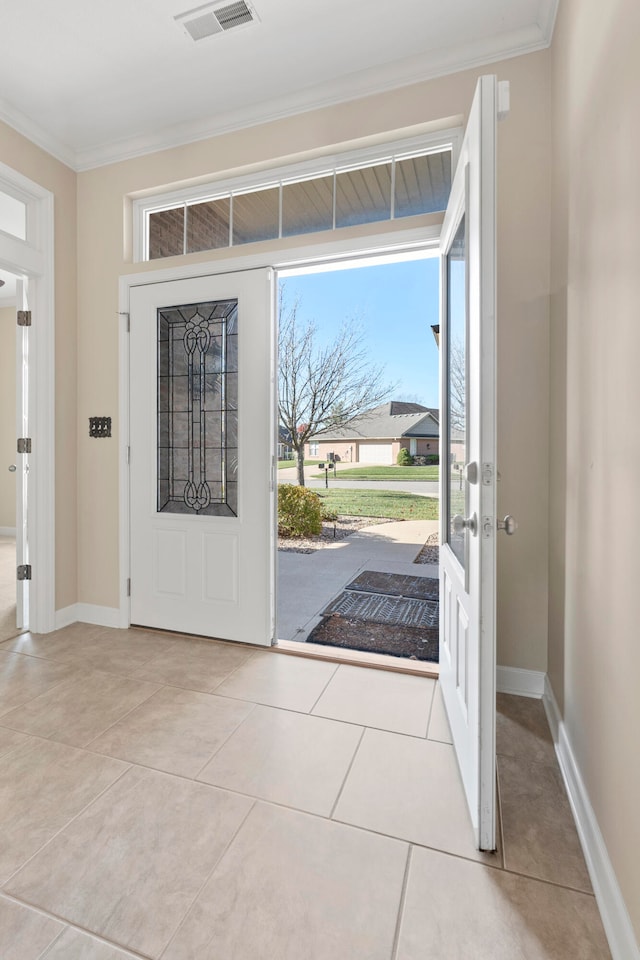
(386, 473)
(387, 504)
(283, 464)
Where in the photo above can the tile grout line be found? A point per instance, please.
(71, 925)
(123, 717)
(323, 691)
(215, 753)
(97, 797)
(208, 878)
(403, 896)
(47, 950)
(346, 776)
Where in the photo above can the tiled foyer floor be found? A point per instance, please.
(185, 800)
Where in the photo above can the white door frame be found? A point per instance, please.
(298, 257)
(34, 258)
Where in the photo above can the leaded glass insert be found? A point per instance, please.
(198, 409)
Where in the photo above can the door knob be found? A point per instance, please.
(459, 524)
(12, 468)
(509, 525)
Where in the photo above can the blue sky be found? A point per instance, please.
(396, 304)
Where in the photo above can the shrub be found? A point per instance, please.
(404, 458)
(299, 511)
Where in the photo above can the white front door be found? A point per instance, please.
(201, 459)
(22, 458)
(468, 458)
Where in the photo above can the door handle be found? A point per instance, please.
(459, 524)
(509, 525)
(12, 468)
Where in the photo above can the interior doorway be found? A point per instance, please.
(8, 468)
(358, 422)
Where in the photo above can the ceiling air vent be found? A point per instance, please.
(215, 18)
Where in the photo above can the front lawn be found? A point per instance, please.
(283, 464)
(386, 504)
(385, 473)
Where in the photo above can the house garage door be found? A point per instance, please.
(376, 453)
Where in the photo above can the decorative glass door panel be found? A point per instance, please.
(456, 353)
(198, 409)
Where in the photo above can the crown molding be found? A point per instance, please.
(356, 86)
(37, 135)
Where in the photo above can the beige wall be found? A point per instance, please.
(103, 228)
(7, 415)
(34, 163)
(594, 655)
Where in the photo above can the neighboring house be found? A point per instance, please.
(378, 435)
(285, 450)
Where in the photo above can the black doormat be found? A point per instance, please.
(396, 585)
(412, 643)
(385, 613)
(378, 608)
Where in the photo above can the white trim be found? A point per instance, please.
(521, 683)
(613, 910)
(7, 531)
(330, 250)
(34, 258)
(87, 613)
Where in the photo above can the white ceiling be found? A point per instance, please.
(95, 82)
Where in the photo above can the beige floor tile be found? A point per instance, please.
(43, 785)
(64, 644)
(540, 837)
(74, 945)
(195, 665)
(457, 910)
(277, 680)
(411, 789)
(97, 648)
(79, 708)
(290, 758)
(375, 698)
(129, 867)
(23, 678)
(25, 934)
(296, 887)
(10, 739)
(175, 730)
(522, 729)
(439, 728)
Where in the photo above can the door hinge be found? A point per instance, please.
(24, 444)
(24, 571)
(128, 586)
(128, 454)
(24, 318)
(123, 313)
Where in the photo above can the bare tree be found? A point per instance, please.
(322, 386)
(457, 385)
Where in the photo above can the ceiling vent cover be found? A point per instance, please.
(215, 18)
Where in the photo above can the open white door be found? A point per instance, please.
(22, 456)
(468, 458)
(202, 456)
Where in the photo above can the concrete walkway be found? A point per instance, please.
(307, 582)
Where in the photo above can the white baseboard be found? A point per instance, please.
(614, 913)
(7, 531)
(522, 683)
(88, 613)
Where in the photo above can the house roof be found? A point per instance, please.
(389, 421)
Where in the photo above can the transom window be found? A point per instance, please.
(389, 182)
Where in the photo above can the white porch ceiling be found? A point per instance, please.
(94, 82)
